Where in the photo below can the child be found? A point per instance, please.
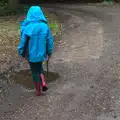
(36, 44)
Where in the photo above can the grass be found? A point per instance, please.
(53, 26)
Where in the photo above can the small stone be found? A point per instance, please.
(91, 86)
(0, 91)
(114, 116)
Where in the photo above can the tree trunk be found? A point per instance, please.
(12, 5)
(109, 1)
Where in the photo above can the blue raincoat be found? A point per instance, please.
(37, 35)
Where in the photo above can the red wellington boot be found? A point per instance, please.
(38, 88)
(44, 86)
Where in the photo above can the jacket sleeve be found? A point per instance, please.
(50, 43)
(21, 45)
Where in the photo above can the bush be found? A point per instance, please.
(3, 4)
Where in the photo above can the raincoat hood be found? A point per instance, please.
(34, 14)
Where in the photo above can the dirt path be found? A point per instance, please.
(87, 60)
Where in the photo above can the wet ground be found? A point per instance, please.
(24, 78)
(87, 63)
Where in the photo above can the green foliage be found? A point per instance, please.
(53, 26)
(3, 4)
(3, 7)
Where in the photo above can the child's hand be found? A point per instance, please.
(26, 59)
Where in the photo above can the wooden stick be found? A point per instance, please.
(47, 67)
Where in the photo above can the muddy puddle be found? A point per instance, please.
(24, 78)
